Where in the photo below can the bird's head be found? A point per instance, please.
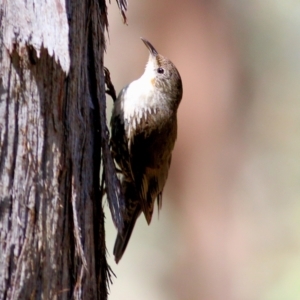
(163, 75)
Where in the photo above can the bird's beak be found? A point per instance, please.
(152, 50)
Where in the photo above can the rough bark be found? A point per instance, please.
(52, 242)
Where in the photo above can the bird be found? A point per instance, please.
(143, 135)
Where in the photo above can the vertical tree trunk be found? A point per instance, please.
(52, 242)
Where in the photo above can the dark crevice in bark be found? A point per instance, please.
(71, 238)
(43, 106)
(16, 139)
(11, 267)
(4, 145)
(101, 267)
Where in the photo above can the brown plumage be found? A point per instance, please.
(144, 130)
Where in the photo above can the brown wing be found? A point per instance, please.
(119, 146)
(150, 156)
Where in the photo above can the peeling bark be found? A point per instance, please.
(52, 242)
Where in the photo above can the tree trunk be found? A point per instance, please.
(52, 243)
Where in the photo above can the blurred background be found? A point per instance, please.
(229, 227)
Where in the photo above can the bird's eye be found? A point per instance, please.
(160, 70)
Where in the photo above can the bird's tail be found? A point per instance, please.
(132, 212)
(123, 239)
